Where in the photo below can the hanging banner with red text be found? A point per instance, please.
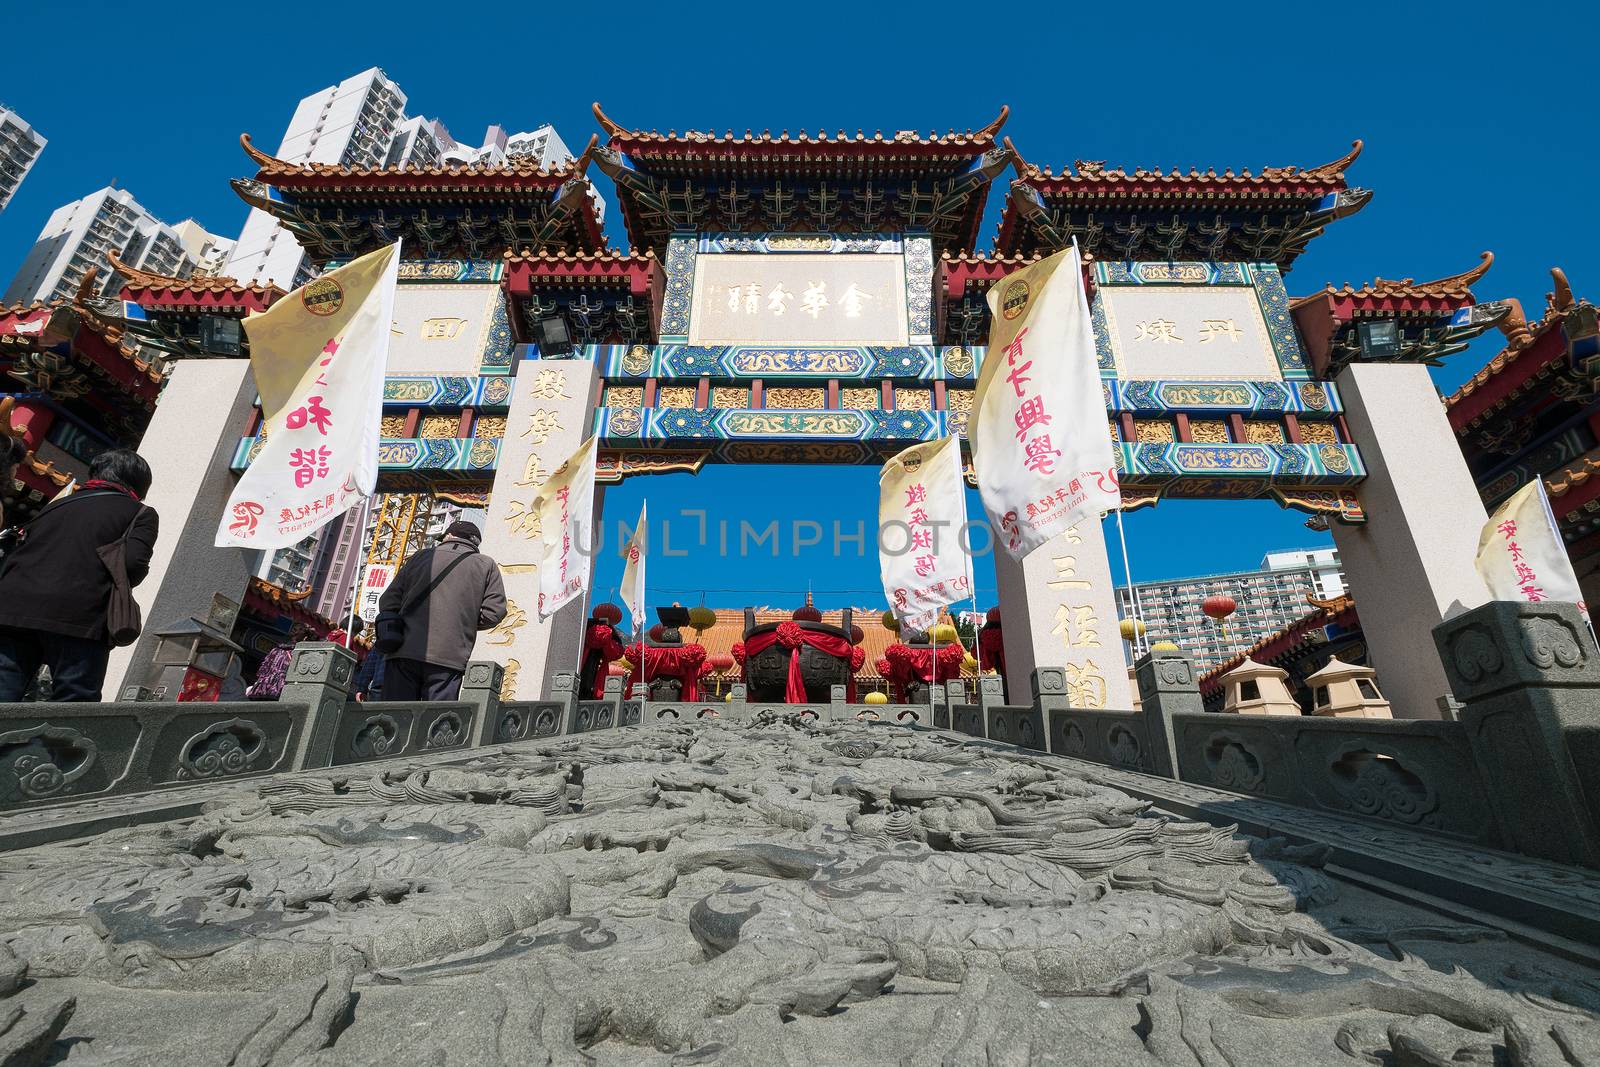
(1038, 424)
(633, 570)
(1522, 555)
(566, 525)
(922, 512)
(331, 338)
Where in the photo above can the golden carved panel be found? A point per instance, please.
(861, 399)
(676, 396)
(730, 396)
(1208, 431)
(1319, 433)
(1153, 431)
(797, 398)
(1259, 432)
(624, 396)
(435, 427)
(958, 399)
(913, 400)
(490, 426)
(393, 426)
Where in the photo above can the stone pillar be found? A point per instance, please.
(990, 692)
(1058, 610)
(1167, 686)
(1412, 562)
(551, 413)
(1528, 677)
(480, 687)
(320, 676)
(201, 416)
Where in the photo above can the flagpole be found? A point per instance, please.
(1133, 590)
(977, 647)
(355, 581)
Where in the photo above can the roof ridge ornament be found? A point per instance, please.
(611, 128)
(993, 128)
(261, 158)
(1560, 300)
(1337, 168)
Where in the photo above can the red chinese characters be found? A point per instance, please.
(1527, 578)
(309, 464)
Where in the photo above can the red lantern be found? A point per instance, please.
(608, 613)
(856, 635)
(1219, 606)
(721, 661)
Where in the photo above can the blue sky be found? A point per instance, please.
(1476, 125)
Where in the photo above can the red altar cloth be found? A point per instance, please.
(681, 662)
(791, 636)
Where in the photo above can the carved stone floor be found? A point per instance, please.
(768, 893)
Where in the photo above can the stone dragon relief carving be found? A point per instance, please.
(778, 892)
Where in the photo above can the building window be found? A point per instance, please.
(1249, 689)
(1367, 689)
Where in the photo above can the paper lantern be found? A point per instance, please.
(721, 661)
(607, 613)
(701, 619)
(891, 623)
(876, 697)
(1164, 646)
(1130, 628)
(1219, 606)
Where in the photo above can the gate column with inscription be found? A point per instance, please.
(1058, 610)
(551, 412)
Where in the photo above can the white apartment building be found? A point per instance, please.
(1268, 598)
(361, 122)
(20, 145)
(79, 235)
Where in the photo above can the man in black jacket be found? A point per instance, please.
(55, 589)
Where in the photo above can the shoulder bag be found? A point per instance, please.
(389, 628)
(123, 621)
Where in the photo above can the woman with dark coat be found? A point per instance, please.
(55, 589)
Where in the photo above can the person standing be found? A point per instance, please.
(55, 589)
(441, 598)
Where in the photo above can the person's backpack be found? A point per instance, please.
(270, 678)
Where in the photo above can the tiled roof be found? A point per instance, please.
(1520, 336)
(1455, 286)
(273, 167)
(978, 140)
(1572, 475)
(142, 279)
(1087, 174)
(1323, 612)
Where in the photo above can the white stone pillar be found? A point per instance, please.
(1058, 609)
(189, 445)
(1411, 564)
(551, 413)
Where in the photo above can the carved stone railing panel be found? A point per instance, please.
(1414, 772)
(386, 729)
(1115, 738)
(1012, 725)
(51, 753)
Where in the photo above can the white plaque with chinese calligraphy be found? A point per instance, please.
(1168, 332)
(441, 329)
(798, 299)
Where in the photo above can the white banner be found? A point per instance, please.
(373, 583)
(922, 506)
(1038, 424)
(1522, 555)
(320, 456)
(633, 571)
(566, 523)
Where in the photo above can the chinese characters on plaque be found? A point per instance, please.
(1181, 331)
(799, 299)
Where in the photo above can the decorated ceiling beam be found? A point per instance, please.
(1430, 320)
(604, 297)
(1114, 214)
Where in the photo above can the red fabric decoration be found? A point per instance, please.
(737, 652)
(682, 662)
(791, 636)
(602, 639)
(858, 656)
(907, 664)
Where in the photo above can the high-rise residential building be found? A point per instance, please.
(362, 121)
(206, 250)
(80, 235)
(1268, 599)
(20, 145)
